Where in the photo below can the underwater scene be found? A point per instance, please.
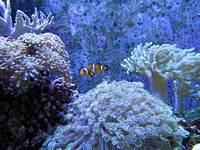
(99, 75)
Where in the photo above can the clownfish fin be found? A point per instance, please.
(91, 74)
(89, 67)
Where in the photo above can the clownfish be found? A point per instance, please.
(93, 69)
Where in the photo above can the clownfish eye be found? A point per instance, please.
(105, 67)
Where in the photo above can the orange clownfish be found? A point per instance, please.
(92, 69)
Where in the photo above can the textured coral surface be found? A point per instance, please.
(160, 63)
(27, 120)
(25, 61)
(35, 83)
(94, 31)
(123, 24)
(118, 115)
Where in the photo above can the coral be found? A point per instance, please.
(5, 20)
(166, 62)
(193, 127)
(62, 90)
(103, 29)
(117, 115)
(23, 24)
(125, 24)
(31, 58)
(27, 120)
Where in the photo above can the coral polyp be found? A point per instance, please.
(118, 115)
(31, 58)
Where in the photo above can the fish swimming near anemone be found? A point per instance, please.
(93, 69)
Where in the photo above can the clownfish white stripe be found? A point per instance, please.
(85, 69)
(93, 68)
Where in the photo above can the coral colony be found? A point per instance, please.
(35, 81)
(161, 63)
(23, 60)
(23, 24)
(139, 101)
(118, 115)
(124, 24)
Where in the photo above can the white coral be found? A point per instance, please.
(160, 63)
(119, 115)
(5, 20)
(23, 24)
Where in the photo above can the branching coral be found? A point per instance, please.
(23, 24)
(160, 63)
(118, 115)
(30, 58)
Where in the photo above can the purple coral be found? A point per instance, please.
(31, 104)
(27, 120)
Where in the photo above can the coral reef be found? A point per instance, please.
(125, 24)
(27, 120)
(160, 63)
(35, 83)
(24, 61)
(117, 115)
(23, 24)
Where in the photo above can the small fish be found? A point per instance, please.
(93, 69)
